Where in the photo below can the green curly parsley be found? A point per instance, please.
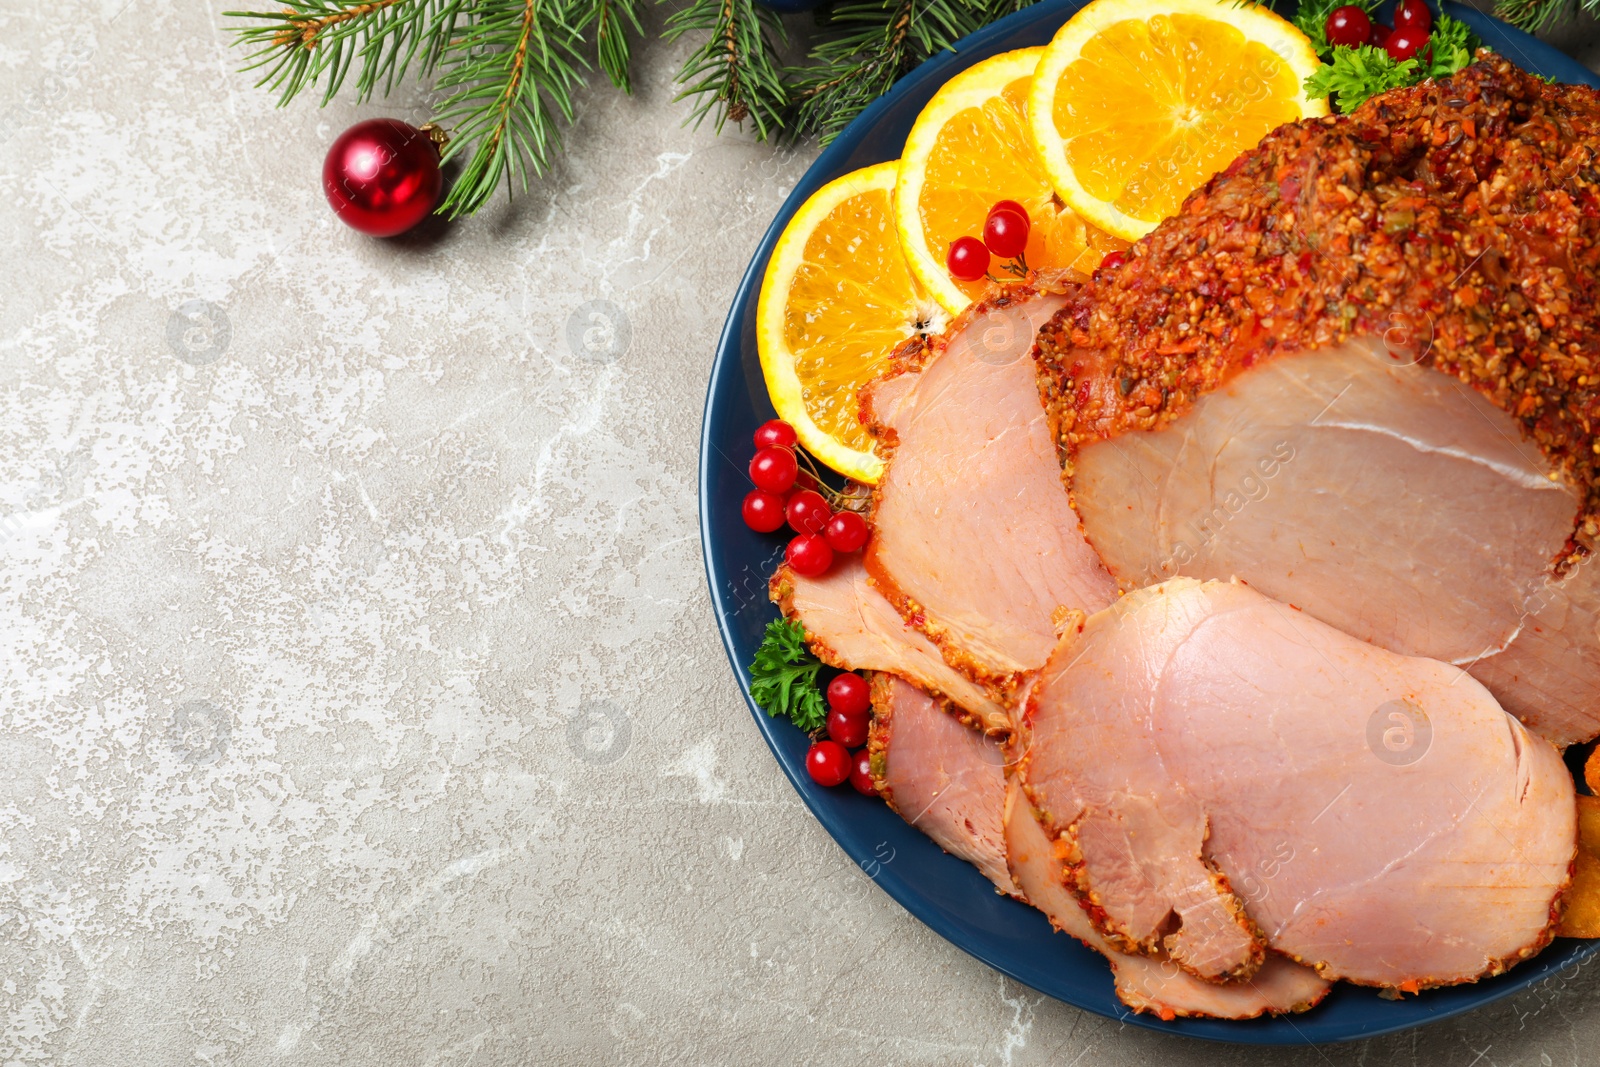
(1355, 75)
(1453, 43)
(783, 677)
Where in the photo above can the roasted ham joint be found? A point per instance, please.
(1234, 606)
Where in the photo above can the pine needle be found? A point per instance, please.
(611, 19)
(1535, 15)
(873, 44)
(735, 74)
(512, 70)
(318, 41)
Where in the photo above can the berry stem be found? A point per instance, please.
(838, 500)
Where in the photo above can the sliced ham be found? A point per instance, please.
(950, 782)
(1548, 674)
(1306, 476)
(1356, 371)
(1232, 775)
(942, 777)
(850, 625)
(1145, 983)
(974, 540)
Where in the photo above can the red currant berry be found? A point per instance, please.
(861, 774)
(1114, 260)
(850, 694)
(774, 469)
(1005, 233)
(1349, 26)
(848, 728)
(1009, 205)
(968, 259)
(763, 511)
(828, 763)
(846, 532)
(1380, 35)
(1413, 15)
(1405, 43)
(807, 512)
(775, 432)
(809, 555)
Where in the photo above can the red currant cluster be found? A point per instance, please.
(1353, 27)
(831, 761)
(820, 531)
(1005, 234)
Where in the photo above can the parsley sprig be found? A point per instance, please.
(1355, 75)
(783, 677)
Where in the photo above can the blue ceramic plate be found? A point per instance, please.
(947, 894)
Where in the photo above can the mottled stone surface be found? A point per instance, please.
(359, 698)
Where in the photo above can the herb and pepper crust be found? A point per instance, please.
(1457, 220)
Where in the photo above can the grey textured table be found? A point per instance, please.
(360, 702)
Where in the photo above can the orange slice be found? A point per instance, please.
(837, 298)
(1137, 102)
(969, 149)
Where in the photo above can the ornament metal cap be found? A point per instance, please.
(436, 133)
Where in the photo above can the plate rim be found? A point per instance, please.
(833, 161)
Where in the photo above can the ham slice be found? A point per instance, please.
(950, 782)
(940, 776)
(974, 540)
(1145, 983)
(1355, 371)
(1232, 775)
(1548, 674)
(1304, 476)
(851, 626)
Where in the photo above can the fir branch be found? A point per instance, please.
(1535, 15)
(735, 75)
(875, 43)
(513, 69)
(313, 42)
(995, 10)
(611, 19)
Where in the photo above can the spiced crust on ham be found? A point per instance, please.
(1457, 219)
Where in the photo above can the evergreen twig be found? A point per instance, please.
(1535, 15)
(876, 42)
(512, 69)
(611, 19)
(312, 41)
(735, 75)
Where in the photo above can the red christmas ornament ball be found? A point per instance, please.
(382, 177)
